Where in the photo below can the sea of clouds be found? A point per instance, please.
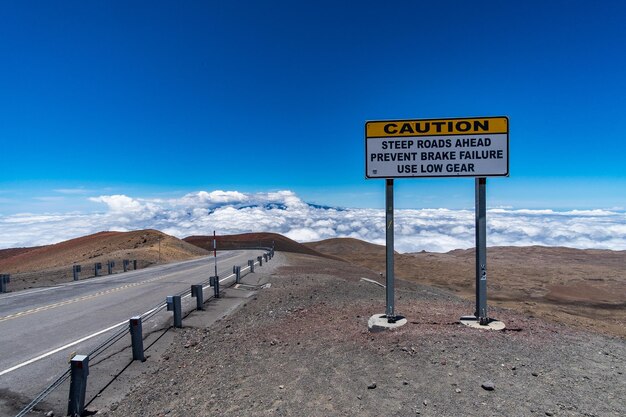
(228, 212)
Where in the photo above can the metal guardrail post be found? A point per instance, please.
(251, 265)
(125, 264)
(237, 274)
(134, 264)
(110, 266)
(265, 257)
(4, 280)
(136, 337)
(76, 272)
(78, 385)
(260, 259)
(174, 304)
(96, 269)
(215, 283)
(196, 291)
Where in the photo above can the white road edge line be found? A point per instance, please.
(30, 292)
(52, 352)
(98, 333)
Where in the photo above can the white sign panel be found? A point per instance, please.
(469, 147)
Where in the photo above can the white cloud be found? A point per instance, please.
(284, 212)
(78, 190)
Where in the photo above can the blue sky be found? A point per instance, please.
(158, 99)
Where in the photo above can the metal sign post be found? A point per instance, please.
(481, 252)
(389, 278)
(476, 147)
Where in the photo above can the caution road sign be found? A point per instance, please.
(460, 147)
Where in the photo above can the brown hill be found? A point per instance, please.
(52, 264)
(100, 247)
(583, 287)
(254, 240)
(7, 253)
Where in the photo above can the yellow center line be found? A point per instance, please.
(75, 300)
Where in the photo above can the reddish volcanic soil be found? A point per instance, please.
(52, 264)
(585, 288)
(254, 240)
(580, 287)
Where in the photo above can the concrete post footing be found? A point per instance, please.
(379, 323)
(474, 323)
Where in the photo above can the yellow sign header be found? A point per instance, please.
(436, 127)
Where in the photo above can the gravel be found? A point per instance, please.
(301, 348)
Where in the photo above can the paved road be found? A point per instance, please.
(38, 325)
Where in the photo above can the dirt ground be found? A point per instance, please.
(301, 348)
(583, 288)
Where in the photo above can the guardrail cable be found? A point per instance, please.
(61, 379)
(115, 337)
(119, 334)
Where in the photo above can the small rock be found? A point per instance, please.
(281, 387)
(405, 382)
(457, 390)
(513, 368)
(50, 413)
(549, 413)
(534, 374)
(488, 386)
(372, 385)
(426, 402)
(358, 397)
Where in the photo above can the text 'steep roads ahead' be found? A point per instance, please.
(467, 147)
